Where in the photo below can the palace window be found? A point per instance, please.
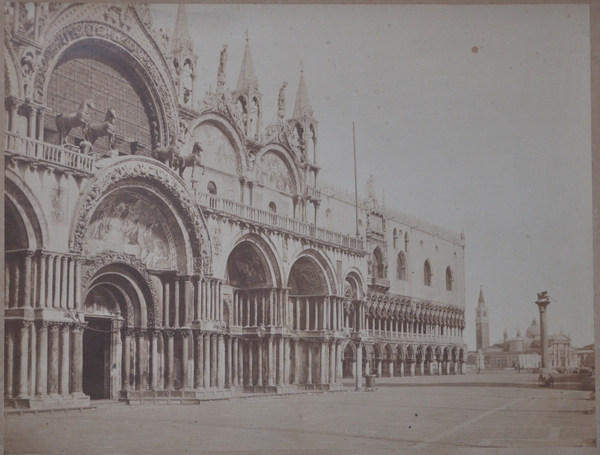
(449, 279)
(427, 275)
(395, 238)
(272, 207)
(406, 242)
(377, 265)
(401, 266)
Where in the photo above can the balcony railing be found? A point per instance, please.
(415, 337)
(381, 283)
(312, 192)
(49, 153)
(270, 219)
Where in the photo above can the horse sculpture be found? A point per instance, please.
(193, 160)
(107, 128)
(65, 123)
(167, 155)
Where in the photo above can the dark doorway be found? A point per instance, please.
(96, 343)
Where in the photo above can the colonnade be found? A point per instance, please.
(186, 298)
(42, 279)
(43, 359)
(391, 327)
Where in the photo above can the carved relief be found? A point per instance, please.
(133, 169)
(124, 222)
(216, 238)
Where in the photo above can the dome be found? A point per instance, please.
(533, 331)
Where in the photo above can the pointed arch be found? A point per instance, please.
(401, 266)
(427, 275)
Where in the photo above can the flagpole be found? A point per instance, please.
(355, 179)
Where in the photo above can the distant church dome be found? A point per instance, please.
(533, 331)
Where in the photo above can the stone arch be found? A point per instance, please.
(400, 353)
(224, 125)
(252, 262)
(126, 270)
(322, 267)
(120, 296)
(355, 280)
(378, 263)
(122, 44)
(276, 154)
(21, 201)
(348, 347)
(140, 172)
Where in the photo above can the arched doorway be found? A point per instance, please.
(116, 306)
(349, 361)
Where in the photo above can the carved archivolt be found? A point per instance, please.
(149, 171)
(105, 259)
(81, 30)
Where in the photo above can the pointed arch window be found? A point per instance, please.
(212, 188)
(401, 266)
(406, 242)
(449, 279)
(427, 275)
(395, 238)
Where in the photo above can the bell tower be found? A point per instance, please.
(247, 96)
(482, 323)
(184, 59)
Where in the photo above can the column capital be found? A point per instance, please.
(127, 331)
(140, 333)
(53, 326)
(169, 333)
(64, 327)
(25, 324)
(184, 333)
(78, 328)
(154, 333)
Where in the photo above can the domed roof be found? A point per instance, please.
(533, 331)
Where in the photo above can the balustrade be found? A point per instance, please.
(273, 220)
(49, 153)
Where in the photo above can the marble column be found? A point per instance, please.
(23, 391)
(339, 362)
(166, 301)
(9, 361)
(358, 373)
(154, 359)
(213, 360)
(77, 361)
(140, 359)
(170, 363)
(240, 362)
(78, 284)
(308, 363)
(280, 358)
(271, 360)
(63, 388)
(286, 361)
(392, 366)
(331, 379)
(71, 284)
(198, 361)
(230, 362)
(259, 359)
(27, 282)
(296, 360)
(42, 360)
(234, 361)
(127, 332)
(206, 359)
(176, 301)
(64, 283)
(41, 301)
(184, 359)
(220, 361)
(379, 368)
(250, 363)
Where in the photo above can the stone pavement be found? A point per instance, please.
(438, 414)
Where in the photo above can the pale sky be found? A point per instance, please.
(470, 117)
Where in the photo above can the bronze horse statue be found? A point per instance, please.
(193, 160)
(66, 122)
(94, 131)
(168, 155)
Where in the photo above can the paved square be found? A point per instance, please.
(467, 411)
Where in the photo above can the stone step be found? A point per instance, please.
(20, 412)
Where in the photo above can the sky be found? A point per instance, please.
(469, 117)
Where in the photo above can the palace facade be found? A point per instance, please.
(161, 245)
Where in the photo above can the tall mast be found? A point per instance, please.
(355, 179)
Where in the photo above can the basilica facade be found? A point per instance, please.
(162, 245)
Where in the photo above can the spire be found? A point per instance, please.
(181, 35)
(481, 299)
(518, 333)
(247, 78)
(302, 107)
